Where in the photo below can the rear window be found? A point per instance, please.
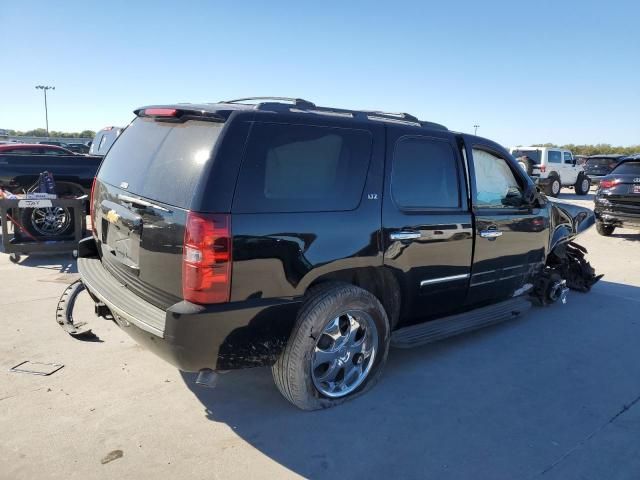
(534, 155)
(629, 168)
(302, 168)
(160, 160)
(601, 162)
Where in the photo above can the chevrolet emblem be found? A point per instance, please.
(112, 216)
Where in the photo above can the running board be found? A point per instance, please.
(442, 328)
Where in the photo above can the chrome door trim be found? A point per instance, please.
(404, 235)
(452, 278)
(490, 233)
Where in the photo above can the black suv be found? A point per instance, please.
(617, 199)
(280, 233)
(597, 166)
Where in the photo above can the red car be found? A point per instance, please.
(34, 149)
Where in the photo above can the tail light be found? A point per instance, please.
(92, 208)
(608, 183)
(543, 168)
(160, 112)
(206, 258)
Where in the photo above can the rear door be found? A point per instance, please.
(427, 227)
(554, 163)
(511, 237)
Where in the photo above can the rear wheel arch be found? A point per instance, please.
(379, 281)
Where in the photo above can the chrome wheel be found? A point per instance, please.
(555, 187)
(344, 354)
(50, 221)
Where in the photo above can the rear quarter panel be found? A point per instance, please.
(282, 254)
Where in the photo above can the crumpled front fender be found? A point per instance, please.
(568, 221)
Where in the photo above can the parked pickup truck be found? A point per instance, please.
(73, 174)
(552, 168)
(311, 239)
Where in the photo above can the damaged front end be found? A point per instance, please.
(566, 266)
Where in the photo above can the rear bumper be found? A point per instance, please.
(543, 182)
(193, 337)
(617, 219)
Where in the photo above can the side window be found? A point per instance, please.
(496, 185)
(567, 157)
(555, 156)
(51, 151)
(103, 140)
(302, 168)
(425, 174)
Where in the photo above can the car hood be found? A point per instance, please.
(568, 221)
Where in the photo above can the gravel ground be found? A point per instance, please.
(555, 395)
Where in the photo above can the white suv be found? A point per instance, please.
(552, 168)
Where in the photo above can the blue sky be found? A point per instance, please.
(526, 72)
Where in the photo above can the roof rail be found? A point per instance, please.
(299, 105)
(298, 102)
(397, 115)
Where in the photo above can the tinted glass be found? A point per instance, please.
(531, 154)
(628, 168)
(601, 162)
(161, 160)
(567, 157)
(496, 185)
(425, 174)
(301, 168)
(555, 156)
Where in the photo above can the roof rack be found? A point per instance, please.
(299, 105)
(298, 102)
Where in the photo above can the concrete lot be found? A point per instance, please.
(554, 395)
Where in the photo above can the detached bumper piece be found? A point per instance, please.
(440, 329)
(64, 313)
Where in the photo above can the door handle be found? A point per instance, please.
(405, 235)
(490, 234)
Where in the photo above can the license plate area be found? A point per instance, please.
(121, 229)
(635, 189)
(122, 245)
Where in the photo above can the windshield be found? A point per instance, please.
(530, 153)
(160, 160)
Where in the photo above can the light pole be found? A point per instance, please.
(44, 88)
(475, 131)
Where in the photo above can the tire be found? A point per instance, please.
(554, 186)
(583, 184)
(604, 230)
(52, 222)
(526, 165)
(329, 306)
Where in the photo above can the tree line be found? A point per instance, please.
(597, 149)
(41, 132)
